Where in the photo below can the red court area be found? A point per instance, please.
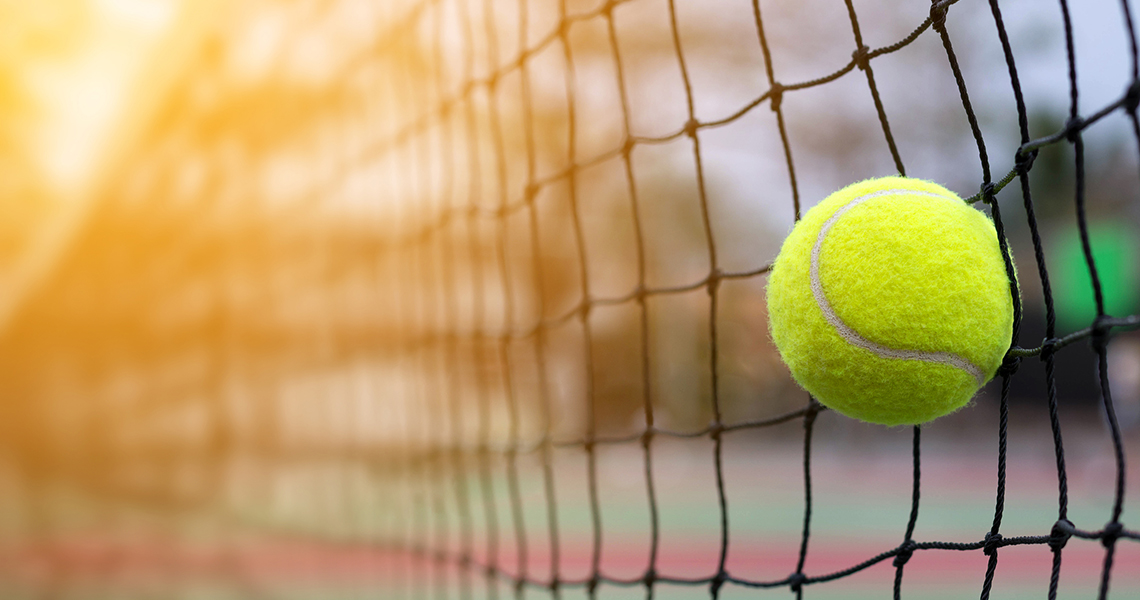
(273, 562)
(860, 505)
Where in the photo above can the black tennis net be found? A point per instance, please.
(387, 287)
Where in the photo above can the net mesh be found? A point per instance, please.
(453, 297)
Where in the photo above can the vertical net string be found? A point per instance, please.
(476, 258)
(480, 333)
(1133, 94)
(713, 287)
(433, 462)
(905, 550)
(538, 339)
(993, 537)
(649, 578)
(776, 103)
(938, 16)
(503, 340)
(1024, 161)
(585, 307)
(862, 60)
(452, 133)
(797, 579)
(1100, 333)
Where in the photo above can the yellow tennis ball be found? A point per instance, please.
(889, 301)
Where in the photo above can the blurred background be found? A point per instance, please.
(294, 294)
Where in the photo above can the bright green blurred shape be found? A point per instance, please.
(1116, 252)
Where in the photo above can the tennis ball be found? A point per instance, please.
(889, 301)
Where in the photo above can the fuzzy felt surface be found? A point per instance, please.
(909, 271)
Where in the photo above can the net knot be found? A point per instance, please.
(1009, 364)
(713, 281)
(1060, 534)
(776, 95)
(905, 552)
(1049, 347)
(1132, 96)
(862, 57)
(691, 128)
(988, 191)
(1100, 330)
(584, 309)
(796, 581)
(650, 577)
(716, 429)
(811, 412)
(1111, 533)
(647, 437)
(554, 584)
(717, 582)
(993, 542)
(1024, 160)
(592, 586)
(627, 146)
(1073, 129)
(938, 16)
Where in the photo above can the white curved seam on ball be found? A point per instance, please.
(850, 335)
